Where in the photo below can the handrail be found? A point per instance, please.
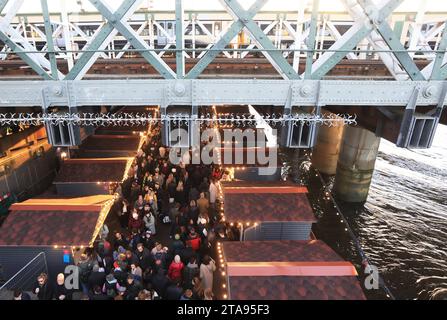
(23, 268)
(357, 245)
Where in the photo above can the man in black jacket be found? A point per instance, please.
(43, 289)
(133, 287)
(145, 258)
(97, 277)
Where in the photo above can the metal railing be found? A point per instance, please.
(25, 278)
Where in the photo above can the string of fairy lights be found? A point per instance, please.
(137, 119)
(107, 205)
(327, 195)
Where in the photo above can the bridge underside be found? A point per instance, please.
(250, 67)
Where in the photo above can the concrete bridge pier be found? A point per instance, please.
(355, 165)
(327, 148)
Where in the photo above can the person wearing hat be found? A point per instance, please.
(176, 245)
(175, 269)
(60, 291)
(110, 286)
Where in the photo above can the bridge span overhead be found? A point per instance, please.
(93, 83)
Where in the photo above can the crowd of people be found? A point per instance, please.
(163, 246)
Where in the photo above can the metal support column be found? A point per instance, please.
(179, 39)
(49, 35)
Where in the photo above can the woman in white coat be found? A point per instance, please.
(207, 269)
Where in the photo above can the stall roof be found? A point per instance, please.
(288, 269)
(87, 203)
(92, 170)
(48, 228)
(279, 250)
(109, 142)
(248, 156)
(55, 221)
(266, 202)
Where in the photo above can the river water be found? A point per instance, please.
(402, 227)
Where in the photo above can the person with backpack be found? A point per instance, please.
(85, 266)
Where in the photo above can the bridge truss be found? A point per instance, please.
(302, 46)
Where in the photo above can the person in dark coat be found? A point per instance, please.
(120, 241)
(145, 258)
(135, 221)
(120, 275)
(97, 294)
(193, 213)
(133, 287)
(21, 295)
(187, 253)
(160, 282)
(177, 246)
(97, 277)
(173, 291)
(43, 289)
(60, 291)
(190, 271)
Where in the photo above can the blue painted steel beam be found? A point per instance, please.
(311, 39)
(220, 45)
(439, 73)
(19, 51)
(3, 4)
(133, 38)
(49, 35)
(393, 42)
(24, 56)
(443, 73)
(179, 39)
(276, 57)
(351, 39)
(101, 36)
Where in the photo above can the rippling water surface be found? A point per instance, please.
(403, 224)
(402, 227)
